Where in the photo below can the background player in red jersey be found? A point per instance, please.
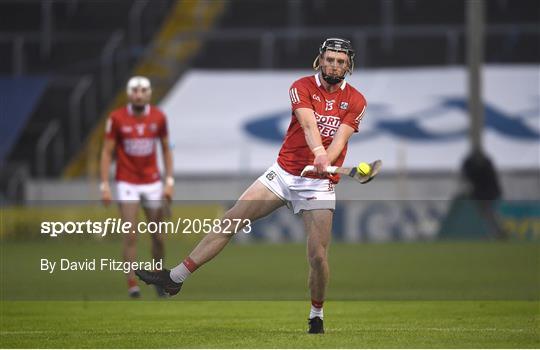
(326, 111)
(132, 131)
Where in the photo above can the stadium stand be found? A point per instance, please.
(88, 48)
(166, 58)
(385, 33)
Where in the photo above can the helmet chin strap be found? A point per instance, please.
(332, 80)
(138, 108)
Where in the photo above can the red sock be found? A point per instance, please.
(132, 282)
(190, 264)
(317, 304)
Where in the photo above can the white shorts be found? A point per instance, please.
(150, 194)
(299, 193)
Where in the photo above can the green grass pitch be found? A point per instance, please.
(269, 324)
(410, 295)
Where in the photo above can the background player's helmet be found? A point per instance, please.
(138, 81)
(140, 99)
(339, 45)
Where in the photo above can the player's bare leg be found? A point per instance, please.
(158, 247)
(318, 227)
(256, 202)
(129, 211)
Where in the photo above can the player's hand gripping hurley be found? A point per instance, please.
(351, 172)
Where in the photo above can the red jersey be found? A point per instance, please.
(136, 136)
(344, 106)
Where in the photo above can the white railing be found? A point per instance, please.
(16, 183)
(108, 73)
(18, 55)
(79, 114)
(47, 23)
(136, 22)
(52, 133)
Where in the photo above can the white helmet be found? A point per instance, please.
(138, 81)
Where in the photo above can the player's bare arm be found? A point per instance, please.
(106, 160)
(168, 164)
(341, 138)
(306, 118)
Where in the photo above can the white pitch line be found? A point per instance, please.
(382, 329)
(84, 332)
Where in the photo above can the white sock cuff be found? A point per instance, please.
(316, 312)
(179, 273)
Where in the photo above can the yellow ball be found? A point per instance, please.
(363, 168)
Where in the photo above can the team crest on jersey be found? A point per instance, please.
(140, 128)
(271, 175)
(126, 129)
(316, 97)
(344, 105)
(153, 127)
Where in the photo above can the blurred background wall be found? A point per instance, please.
(221, 69)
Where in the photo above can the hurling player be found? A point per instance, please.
(131, 134)
(325, 112)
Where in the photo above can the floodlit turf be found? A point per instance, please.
(233, 324)
(420, 295)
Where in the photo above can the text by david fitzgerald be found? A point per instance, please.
(99, 265)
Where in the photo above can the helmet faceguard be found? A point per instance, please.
(337, 45)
